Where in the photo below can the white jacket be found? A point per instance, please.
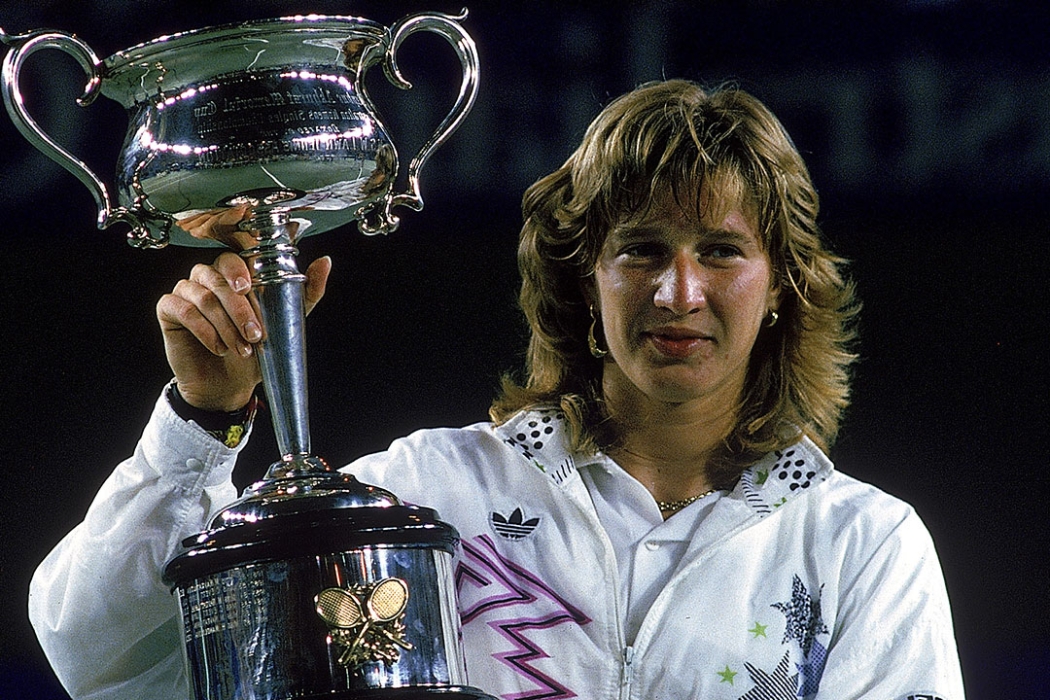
(801, 582)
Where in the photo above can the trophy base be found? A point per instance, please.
(256, 592)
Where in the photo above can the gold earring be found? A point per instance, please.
(773, 318)
(592, 342)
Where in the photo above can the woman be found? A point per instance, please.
(651, 514)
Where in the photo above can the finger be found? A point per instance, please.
(216, 224)
(175, 313)
(317, 281)
(193, 221)
(230, 315)
(229, 218)
(234, 270)
(231, 294)
(214, 309)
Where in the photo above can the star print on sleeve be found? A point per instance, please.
(759, 630)
(803, 616)
(803, 624)
(772, 686)
(727, 675)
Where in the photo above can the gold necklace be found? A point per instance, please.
(671, 506)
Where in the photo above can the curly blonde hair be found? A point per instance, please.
(675, 136)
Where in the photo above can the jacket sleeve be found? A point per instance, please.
(894, 638)
(106, 621)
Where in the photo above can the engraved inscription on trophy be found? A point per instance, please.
(287, 105)
(366, 623)
(232, 601)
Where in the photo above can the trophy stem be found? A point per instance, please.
(278, 296)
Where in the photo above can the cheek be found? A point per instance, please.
(750, 294)
(616, 291)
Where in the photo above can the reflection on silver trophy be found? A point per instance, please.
(251, 136)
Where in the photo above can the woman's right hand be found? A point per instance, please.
(210, 328)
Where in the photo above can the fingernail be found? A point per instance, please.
(246, 350)
(240, 284)
(252, 331)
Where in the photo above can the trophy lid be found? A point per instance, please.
(309, 534)
(307, 515)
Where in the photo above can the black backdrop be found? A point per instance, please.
(926, 126)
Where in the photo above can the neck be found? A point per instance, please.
(668, 446)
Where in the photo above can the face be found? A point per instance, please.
(682, 300)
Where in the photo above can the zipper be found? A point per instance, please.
(628, 672)
(611, 574)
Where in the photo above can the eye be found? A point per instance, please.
(642, 249)
(723, 251)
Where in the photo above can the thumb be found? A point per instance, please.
(317, 281)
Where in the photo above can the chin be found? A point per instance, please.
(674, 392)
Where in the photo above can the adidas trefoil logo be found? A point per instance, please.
(515, 527)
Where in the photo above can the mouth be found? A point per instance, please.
(676, 342)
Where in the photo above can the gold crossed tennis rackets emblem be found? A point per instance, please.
(366, 622)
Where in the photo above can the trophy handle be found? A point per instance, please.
(24, 45)
(447, 26)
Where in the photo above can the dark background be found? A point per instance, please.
(927, 129)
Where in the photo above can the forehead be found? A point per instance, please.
(716, 206)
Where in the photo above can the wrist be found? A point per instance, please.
(204, 398)
(229, 427)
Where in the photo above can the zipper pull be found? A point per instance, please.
(628, 659)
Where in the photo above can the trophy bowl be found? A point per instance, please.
(244, 119)
(250, 136)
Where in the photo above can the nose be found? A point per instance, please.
(680, 285)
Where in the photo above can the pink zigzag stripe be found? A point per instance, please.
(526, 652)
(517, 584)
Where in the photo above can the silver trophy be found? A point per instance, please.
(251, 136)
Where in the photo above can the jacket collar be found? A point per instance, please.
(541, 437)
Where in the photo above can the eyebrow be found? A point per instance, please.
(729, 235)
(631, 231)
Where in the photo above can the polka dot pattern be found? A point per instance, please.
(791, 469)
(531, 434)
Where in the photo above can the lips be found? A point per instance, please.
(676, 342)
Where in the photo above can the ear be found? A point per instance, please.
(587, 289)
(773, 297)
